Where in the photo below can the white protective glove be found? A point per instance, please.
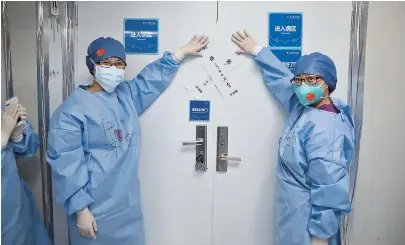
(12, 100)
(246, 43)
(317, 241)
(21, 110)
(9, 119)
(86, 223)
(17, 134)
(196, 44)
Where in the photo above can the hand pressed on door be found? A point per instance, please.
(193, 47)
(246, 43)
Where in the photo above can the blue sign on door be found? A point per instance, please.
(288, 56)
(141, 36)
(199, 110)
(285, 30)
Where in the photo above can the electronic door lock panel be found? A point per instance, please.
(200, 144)
(222, 150)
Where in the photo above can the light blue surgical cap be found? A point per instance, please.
(318, 64)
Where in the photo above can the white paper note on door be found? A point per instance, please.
(221, 80)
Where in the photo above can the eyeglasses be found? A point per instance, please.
(309, 80)
(107, 63)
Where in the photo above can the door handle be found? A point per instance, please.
(199, 141)
(225, 157)
(222, 150)
(200, 148)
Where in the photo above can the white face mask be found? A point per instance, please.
(109, 77)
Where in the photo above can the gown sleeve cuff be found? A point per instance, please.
(257, 50)
(78, 201)
(178, 56)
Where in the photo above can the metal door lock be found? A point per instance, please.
(222, 150)
(200, 148)
(200, 164)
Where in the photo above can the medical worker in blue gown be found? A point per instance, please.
(94, 140)
(20, 221)
(315, 149)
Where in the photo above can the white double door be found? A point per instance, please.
(182, 206)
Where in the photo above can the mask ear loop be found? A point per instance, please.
(323, 97)
(92, 61)
(94, 75)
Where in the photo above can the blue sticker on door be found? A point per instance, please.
(141, 36)
(288, 57)
(285, 30)
(199, 110)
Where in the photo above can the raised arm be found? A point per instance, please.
(28, 145)
(275, 74)
(157, 76)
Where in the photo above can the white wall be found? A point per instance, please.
(379, 209)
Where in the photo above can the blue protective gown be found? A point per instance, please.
(314, 155)
(20, 221)
(93, 148)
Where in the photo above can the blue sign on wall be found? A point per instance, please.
(288, 56)
(199, 110)
(141, 36)
(285, 30)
